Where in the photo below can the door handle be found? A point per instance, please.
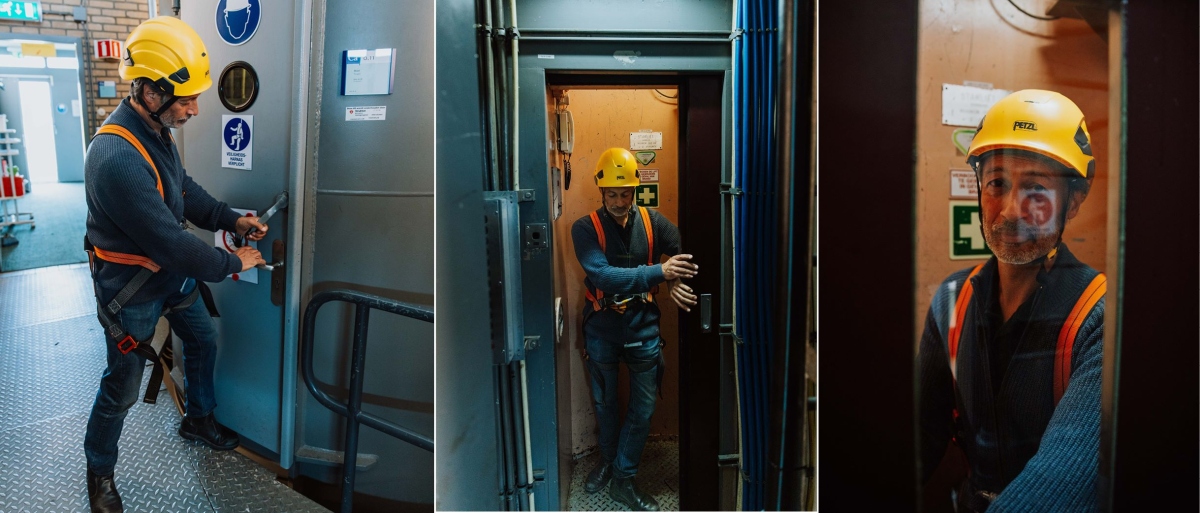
(278, 247)
(280, 203)
(706, 313)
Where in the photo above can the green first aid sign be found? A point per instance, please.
(647, 195)
(966, 237)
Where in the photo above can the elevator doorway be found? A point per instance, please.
(681, 180)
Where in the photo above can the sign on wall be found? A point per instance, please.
(225, 240)
(648, 175)
(963, 184)
(371, 113)
(106, 89)
(107, 49)
(21, 11)
(965, 105)
(237, 149)
(966, 236)
(645, 140)
(366, 72)
(647, 195)
(238, 20)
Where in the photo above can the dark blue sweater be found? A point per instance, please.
(622, 269)
(127, 215)
(1037, 456)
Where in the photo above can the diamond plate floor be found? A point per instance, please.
(51, 358)
(658, 475)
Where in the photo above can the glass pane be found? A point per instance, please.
(1012, 216)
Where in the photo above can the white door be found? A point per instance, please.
(37, 131)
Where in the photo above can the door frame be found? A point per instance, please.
(592, 58)
(705, 433)
(81, 78)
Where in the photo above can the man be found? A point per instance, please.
(1012, 351)
(619, 246)
(145, 263)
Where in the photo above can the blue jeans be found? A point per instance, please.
(621, 445)
(122, 380)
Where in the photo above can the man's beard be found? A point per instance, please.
(618, 212)
(171, 121)
(1037, 241)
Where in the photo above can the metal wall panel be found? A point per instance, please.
(625, 14)
(465, 441)
(378, 238)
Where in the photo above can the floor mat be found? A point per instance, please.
(56, 238)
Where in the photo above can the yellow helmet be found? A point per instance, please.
(617, 168)
(167, 51)
(1042, 122)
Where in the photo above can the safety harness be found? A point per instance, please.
(619, 302)
(108, 314)
(1066, 335)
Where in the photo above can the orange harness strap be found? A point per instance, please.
(128, 136)
(595, 299)
(960, 313)
(126, 258)
(1066, 337)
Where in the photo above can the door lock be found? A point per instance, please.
(706, 313)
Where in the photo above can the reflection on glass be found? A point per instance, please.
(238, 86)
(1011, 302)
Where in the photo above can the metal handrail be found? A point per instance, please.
(363, 303)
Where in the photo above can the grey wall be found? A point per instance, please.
(381, 243)
(466, 429)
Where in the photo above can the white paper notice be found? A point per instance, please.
(225, 240)
(76, 108)
(648, 175)
(963, 184)
(237, 137)
(378, 113)
(645, 140)
(368, 71)
(965, 105)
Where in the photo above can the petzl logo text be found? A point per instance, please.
(1025, 125)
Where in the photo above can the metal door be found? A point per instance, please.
(255, 362)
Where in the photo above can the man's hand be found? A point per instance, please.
(682, 294)
(244, 224)
(249, 256)
(678, 267)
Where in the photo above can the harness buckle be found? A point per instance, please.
(127, 344)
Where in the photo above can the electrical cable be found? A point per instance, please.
(665, 96)
(1031, 15)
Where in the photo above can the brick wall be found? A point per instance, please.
(106, 20)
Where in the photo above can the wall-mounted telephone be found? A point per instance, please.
(566, 142)
(566, 132)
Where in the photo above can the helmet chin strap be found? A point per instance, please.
(157, 115)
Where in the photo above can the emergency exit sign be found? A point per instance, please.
(21, 11)
(966, 236)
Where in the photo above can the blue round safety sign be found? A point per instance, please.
(237, 20)
(237, 134)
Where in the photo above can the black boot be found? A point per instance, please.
(625, 492)
(102, 494)
(598, 478)
(207, 430)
